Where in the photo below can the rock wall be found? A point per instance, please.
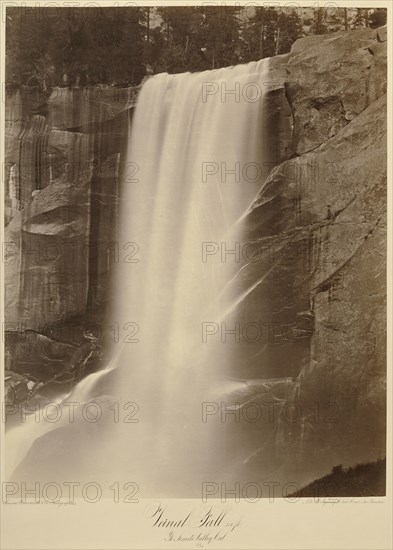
(321, 215)
(62, 184)
(62, 187)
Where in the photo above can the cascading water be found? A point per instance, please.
(196, 149)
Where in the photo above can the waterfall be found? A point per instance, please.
(193, 167)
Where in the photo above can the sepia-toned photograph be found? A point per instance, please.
(194, 261)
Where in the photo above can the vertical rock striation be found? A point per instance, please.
(62, 184)
(59, 167)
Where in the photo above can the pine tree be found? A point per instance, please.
(290, 27)
(261, 36)
(177, 37)
(218, 35)
(361, 18)
(319, 25)
(337, 19)
(117, 46)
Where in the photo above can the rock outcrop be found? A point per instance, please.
(62, 173)
(319, 285)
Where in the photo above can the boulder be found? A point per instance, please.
(331, 79)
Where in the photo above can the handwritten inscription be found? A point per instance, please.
(201, 527)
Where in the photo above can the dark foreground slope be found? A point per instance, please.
(362, 480)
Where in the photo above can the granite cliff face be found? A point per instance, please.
(320, 218)
(62, 186)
